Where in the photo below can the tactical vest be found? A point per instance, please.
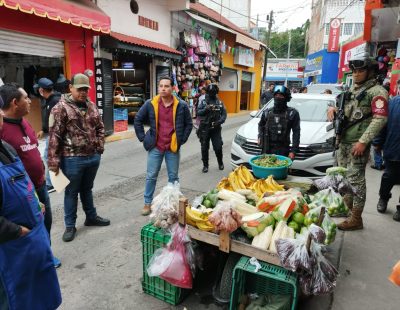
(358, 113)
(277, 127)
(215, 113)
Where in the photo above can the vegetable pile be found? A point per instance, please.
(269, 161)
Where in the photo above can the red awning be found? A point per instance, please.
(143, 42)
(81, 13)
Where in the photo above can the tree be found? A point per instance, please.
(279, 41)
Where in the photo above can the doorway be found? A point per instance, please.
(245, 90)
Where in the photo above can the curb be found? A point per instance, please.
(129, 134)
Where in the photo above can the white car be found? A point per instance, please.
(316, 136)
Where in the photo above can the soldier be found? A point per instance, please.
(366, 111)
(212, 115)
(276, 124)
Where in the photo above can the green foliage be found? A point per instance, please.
(279, 41)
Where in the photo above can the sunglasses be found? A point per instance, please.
(280, 89)
(358, 64)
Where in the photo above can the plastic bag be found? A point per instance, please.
(175, 262)
(322, 279)
(329, 226)
(164, 210)
(225, 218)
(293, 254)
(332, 201)
(338, 182)
(317, 233)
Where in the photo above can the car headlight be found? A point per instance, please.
(239, 140)
(320, 148)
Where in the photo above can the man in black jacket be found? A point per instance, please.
(52, 97)
(276, 124)
(267, 95)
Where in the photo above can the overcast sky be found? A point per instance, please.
(288, 14)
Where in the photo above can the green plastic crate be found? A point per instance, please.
(270, 279)
(153, 238)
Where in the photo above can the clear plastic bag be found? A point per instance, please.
(317, 233)
(324, 274)
(164, 210)
(175, 262)
(338, 182)
(293, 254)
(329, 226)
(225, 218)
(332, 201)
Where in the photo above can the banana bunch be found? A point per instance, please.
(198, 219)
(224, 184)
(240, 178)
(269, 185)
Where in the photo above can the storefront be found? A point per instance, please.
(216, 51)
(39, 39)
(321, 67)
(136, 66)
(381, 31)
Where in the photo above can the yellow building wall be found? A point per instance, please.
(231, 99)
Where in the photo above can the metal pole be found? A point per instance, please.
(271, 16)
(288, 58)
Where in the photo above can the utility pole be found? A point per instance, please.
(288, 58)
(270, 20)
(258, 38)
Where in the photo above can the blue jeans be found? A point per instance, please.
(44, 198)
(81, 172)
(46, 150)
(378, 159)
(154, 161)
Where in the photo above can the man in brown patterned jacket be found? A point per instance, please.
(76, 143)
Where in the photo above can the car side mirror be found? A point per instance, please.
(329, 127)
(253, 113)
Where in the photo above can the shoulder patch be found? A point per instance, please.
(379, 106)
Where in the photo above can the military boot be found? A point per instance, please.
(353, 222)
(348, 201)
(205, 166)
(382, 205)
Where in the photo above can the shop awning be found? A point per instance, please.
(122, 41)
(221, 22)
(80, 13)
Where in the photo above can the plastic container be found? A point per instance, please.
(153, 238)
(120, 126)
(270, 279)
(120, 114)
(279, 173)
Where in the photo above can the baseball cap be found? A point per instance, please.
(45, 83)
(80, 80)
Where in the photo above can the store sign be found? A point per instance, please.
(354, 51)
(313, 64)
(334, 34)
(98, 75)
(279, 67)
(312, 73)
(244, 57)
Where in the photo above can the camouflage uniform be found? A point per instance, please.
(375, 102)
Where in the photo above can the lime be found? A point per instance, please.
(207, 203)
(298, 217)
(294, 225)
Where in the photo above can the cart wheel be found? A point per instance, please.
(225, 286)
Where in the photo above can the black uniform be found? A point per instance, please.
(212, 114)
(50, 102)
(274, 131)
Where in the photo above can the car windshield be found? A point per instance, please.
(320, 88)
(310, 109)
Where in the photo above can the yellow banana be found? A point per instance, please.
(207, 226)
(194, 216)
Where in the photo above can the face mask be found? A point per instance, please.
(280, 104)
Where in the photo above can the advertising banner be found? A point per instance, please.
(334, 34)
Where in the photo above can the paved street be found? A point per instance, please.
(102, 267)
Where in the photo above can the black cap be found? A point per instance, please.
(45, 83)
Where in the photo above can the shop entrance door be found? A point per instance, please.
(245, 90)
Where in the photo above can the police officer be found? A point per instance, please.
(366, 111)
(276, 123)
(212, 114)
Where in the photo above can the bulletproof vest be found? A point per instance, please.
(358, 111)
(215, 113)
(277, 127)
